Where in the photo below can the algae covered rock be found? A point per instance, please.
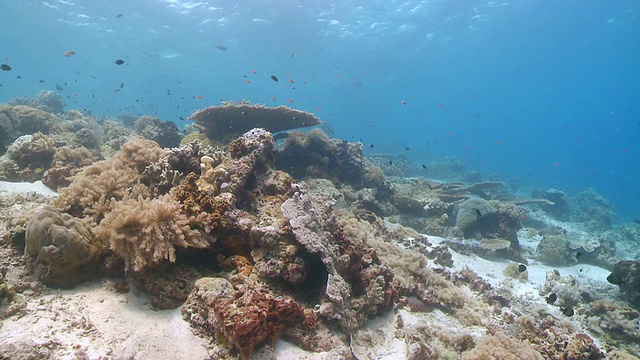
(67, 252)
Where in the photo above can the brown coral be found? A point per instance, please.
(146, 231)
(230, 119)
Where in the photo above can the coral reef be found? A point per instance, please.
(146, 231)
(626, 274)
(594, 210)
(358, 284)
(24, 120)
(46, 100)
(165, 133)
(558, 206)
(317, 156)
(66, 249)
(66, 163)
(230, 119)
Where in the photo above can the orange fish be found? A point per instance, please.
(273, 98)
(198, 96)
(403, 102)
(290, 100)
(254, 71)
(69, 53)
(248, 81)
(291, 81)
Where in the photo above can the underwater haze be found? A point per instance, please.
(542, 93)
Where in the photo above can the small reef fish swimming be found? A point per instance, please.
(69, 53)
(274, 78)
(119, 62)
(551, 298)
(5, 67)
(220, 47)
(568, 311)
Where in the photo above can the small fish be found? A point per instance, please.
(220, 47)
(198, 96)
(291, 81)
(181, 118)
(407, 148)
(290, 100)
(478, 213)
(40, 81)
(59, 88)
(403, 102)
(274, 78)
(578, 255)
(522, 268)
(371, 146)
(423, 166)
(5, 67)
(568, 311)
(119, 62)
(69, 53)
(248, 81)
(121, 85)
(615, 279)
(254, 71)
(551, 298)
(119, 15)
(390, 162)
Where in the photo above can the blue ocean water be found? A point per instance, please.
(544, 93)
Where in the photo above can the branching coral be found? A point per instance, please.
(146, 231)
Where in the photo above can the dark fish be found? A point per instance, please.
(274, 78)
(59, 88)
(407, 148)
(568, 311)
(41, 81)
(220, 47)
(477, 212)
(578, 255)
(119, 15)
(551, 298)
(181, 118)
(390, 162)
(5, 67)
(615, 279)
(281, 135)
(121, 85)
(119, 62)
(424, 166)
(522, 268)
(371, 146)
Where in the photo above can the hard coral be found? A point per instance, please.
(230, 119)
(165, 133)
(67, 252)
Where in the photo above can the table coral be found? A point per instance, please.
(231, 119)
(67, 251)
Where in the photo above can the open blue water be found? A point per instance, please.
(542, 92)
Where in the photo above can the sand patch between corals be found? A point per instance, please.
(92, 321)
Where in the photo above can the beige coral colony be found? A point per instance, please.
(301, 247)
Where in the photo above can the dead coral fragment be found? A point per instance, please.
(230, 119)
(145, 232)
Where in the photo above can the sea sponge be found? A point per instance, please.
(145, 232)
(66, 249)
